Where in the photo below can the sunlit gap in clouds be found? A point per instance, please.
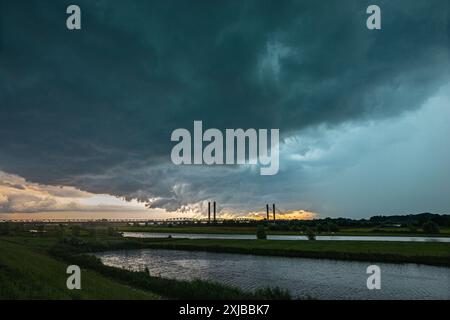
(23, 200)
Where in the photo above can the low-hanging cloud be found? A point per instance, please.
(20, 196)
(94, 109)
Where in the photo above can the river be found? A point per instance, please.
(280, 237)
(314, 278)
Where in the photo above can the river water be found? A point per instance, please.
(280, 237)
(314, 278)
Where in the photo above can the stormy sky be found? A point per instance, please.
(363, 114)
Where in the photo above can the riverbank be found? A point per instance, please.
(429, 253)
(35, 268)
(218, 229)
(27, 271)
(302, 277)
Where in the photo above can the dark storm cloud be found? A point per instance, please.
(95, 108)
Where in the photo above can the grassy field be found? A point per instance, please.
(27, 272)
(432, 253)
(444, 232)
(35, 268)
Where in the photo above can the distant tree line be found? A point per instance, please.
(58, 230)
(442, 220)
(330, 224)
(429, 223)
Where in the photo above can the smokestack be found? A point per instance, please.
(267, 211)
(209, 212)
(214, 212)
(273, 210)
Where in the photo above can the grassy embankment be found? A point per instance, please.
(444, 232)
(431, 253)
(27, 272)
(34, 268)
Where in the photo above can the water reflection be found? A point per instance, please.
(280, 237)
(321, 279)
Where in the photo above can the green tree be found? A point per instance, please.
(261, 232)
(412, 228)
(92, 232)
(320, 228)
(332, 227)
(311, 234)
(19, 228)
(430, 227)
(41, 230)
(60, 231)
(76, 230)
(5, 228)
(111, 231)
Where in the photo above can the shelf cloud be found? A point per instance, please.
(93, 109)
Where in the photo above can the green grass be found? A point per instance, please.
(181, 229)
(433, 253)
(28, 273)
(444, 232)
(35, 268)
(177, 289)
